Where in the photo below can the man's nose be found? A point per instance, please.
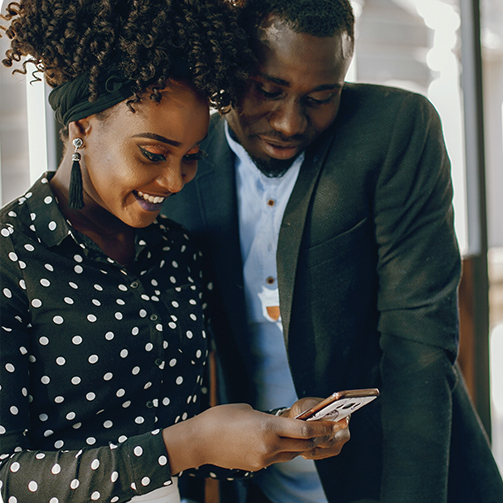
(288, 118)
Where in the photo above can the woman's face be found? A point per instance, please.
(131, 162)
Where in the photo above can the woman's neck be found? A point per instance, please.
(114, 237)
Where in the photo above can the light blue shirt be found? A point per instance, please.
(261, 205)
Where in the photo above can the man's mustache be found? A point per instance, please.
(275, 135)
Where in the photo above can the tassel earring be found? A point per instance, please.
(76, 197)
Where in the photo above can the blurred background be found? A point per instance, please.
(448, 50)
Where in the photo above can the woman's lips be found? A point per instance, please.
(279, 150)
(151, 198)
(154, 203)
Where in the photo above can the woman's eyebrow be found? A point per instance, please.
(158, 137)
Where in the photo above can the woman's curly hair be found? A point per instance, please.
(143, 39)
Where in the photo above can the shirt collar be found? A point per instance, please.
(51, 227)
(48, 222)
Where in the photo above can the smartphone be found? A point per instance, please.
(340, 404)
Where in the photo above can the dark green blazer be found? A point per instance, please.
(368, 271)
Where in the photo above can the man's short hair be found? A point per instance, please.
(320, 18)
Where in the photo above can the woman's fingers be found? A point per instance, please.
(302, 405)
(236, 436)
(332, 446)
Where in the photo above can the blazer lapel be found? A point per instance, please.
(217, 192)
(292, 227)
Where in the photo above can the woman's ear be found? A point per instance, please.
(79, 128)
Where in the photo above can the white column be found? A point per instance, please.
(37, 130)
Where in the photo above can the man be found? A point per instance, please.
(324, 213)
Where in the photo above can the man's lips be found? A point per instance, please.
(278, 149)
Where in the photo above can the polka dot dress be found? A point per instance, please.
(95, 358)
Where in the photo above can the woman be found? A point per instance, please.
(104, 343)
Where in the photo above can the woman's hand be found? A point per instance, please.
(333, 445)
(237, 436)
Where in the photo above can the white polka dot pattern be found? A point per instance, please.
(93, 356)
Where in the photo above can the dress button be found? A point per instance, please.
(153, 317)
(158, 362)
(134, 284)
(150, 404)
(271, 202)
(270, 280)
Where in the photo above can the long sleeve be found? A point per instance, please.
(418, 271)
(114, 474)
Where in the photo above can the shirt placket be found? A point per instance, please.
(156, 339)
(269, 293)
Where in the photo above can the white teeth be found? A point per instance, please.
(151, 199)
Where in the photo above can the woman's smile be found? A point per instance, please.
(149, 202)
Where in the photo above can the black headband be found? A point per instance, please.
(70, 100)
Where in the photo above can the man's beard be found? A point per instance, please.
(273, 168)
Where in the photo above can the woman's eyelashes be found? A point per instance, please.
(156, 157)
(151, 156)
(196, 156)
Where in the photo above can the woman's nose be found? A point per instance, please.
(172, 179)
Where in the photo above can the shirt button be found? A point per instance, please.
(270, 280)
(159, 362)
(150, 404)
(271, 202)
(153, 317)
(134, 284)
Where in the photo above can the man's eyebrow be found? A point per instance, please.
(158, 137)
(328, 87)
(276, 80)
(284, 83)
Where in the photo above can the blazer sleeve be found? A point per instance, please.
(418, 274)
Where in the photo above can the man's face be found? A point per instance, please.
(294, 96)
